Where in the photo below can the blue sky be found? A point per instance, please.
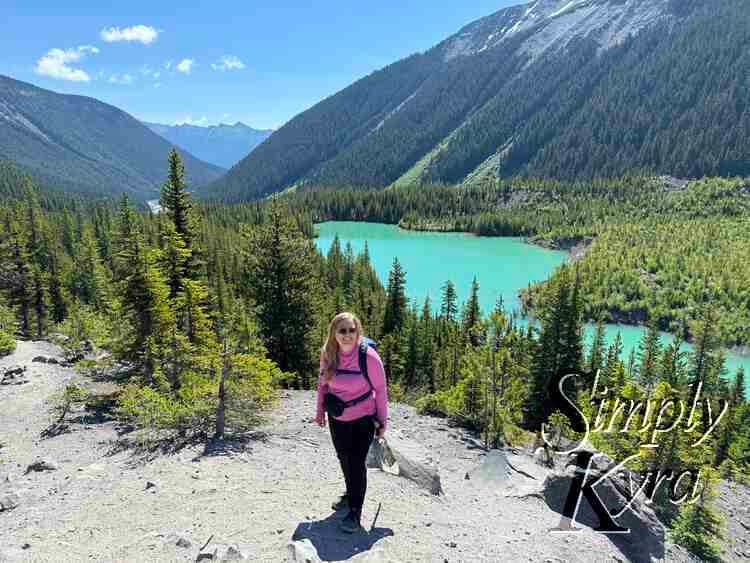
(256, 62)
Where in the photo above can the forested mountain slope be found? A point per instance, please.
(554, 88)
(81, 144)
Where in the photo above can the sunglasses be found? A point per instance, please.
(352, 330)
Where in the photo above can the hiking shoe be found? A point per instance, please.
(350, 523)
(342, 503)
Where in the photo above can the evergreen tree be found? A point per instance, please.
(278, 265)
(699, 526)
(649, 352)
(449, 306)
(473, 315)
(334, 260)
(395, 304)
(412, 354)
(597, 353)
(178, 207)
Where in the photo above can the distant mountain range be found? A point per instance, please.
(222, 145)
(83, 145)
(554, 88)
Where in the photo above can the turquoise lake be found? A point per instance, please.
(502, 266)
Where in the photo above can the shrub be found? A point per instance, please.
(7, 344)
(249, 389)
(84, 324)
(73, 394)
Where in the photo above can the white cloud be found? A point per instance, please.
(151, 73)
(228, 62)
(200, 122)
(125, 79)
(185, 66)
(142, 33)
(56, 63)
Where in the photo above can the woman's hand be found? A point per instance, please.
(379, 430)
(320, 421)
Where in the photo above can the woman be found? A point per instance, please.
(352, 431)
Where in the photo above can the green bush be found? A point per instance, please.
(73, 394)
(699, 527)
(250, 389)
(84, 324)
(7, 344)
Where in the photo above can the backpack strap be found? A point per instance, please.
(363, 362)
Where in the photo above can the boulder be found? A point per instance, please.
(302, 551)
(208, 555)
(42, 465)
(509, 473)
(646, 539)
(406, 458)
(9, 502)
(40, 359)
(231, 553)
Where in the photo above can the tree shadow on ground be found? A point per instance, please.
(143, 450)
(332, 544)
(231, 445)
(54, 429)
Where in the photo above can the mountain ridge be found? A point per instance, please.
(222, 145)
(82, 144)
(569, 89)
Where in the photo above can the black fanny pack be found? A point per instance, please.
(333, 404)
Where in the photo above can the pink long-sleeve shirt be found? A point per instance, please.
(350, 386)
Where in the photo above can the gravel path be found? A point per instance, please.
(105, 503)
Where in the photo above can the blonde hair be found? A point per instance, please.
(330, 351)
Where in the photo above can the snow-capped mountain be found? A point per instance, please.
(551, 88)
(553, 24)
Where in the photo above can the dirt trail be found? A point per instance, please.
(99, 505)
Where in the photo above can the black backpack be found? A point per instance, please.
(333, 405)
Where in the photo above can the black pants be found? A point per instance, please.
(352, 441)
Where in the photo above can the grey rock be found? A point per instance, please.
(183, 542)
(39, 359)
(232, 554)
(150, 485)
(42, 465)
(406, 458)
(646, 540)
(207, 555)
(9, 502)
(302, 551)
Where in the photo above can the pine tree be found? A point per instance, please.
(597, 353)
(699, 527)
(672, 364)
(473, 315)
(449, 306)
(395, 305)
(412, 354)
(649, 352)
(547, 365)
(178, 207)
(278, 265)
(58, 302)
(335, 261)
(571, 345)
(426, 346)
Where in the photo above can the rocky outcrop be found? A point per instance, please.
(406, 458)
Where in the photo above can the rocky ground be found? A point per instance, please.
(259, 498)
